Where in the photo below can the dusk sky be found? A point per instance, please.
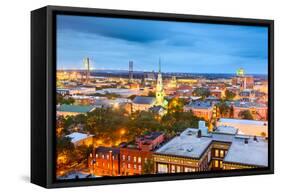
(183, 47)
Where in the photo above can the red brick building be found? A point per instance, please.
(132, 161)
(105, 161)
(150, 141)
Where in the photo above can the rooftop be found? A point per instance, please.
(105, 150)
(187, 144)
(226, 130)
(249, 104)
(252, 153)
(243, 121)
(144, 100)
(75, 108)
(75, 137)
(200, 104)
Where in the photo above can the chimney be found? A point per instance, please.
(202, 127)
(199, 134)
(255, 138)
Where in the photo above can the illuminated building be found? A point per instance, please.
(150, 141)
(105, 161)
(132, 160)
(242, 80)
(257, 110)
(79, 139)
(143, 103)
(200, 109)
(199, 150)
(246, 127)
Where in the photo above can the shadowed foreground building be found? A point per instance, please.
(198, 150)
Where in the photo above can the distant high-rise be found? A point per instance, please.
(131, 67)
(87, 66)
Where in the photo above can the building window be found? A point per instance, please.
(221, 153)
(102, 156)
(97, 155)
(162, 168)
(178, 169)
(216, 163)
(135, 159)
(173, 169)
(139, 159)
(135, 166)
(220, 164)
(107, 156)
(145, 160)
(217, 153)
(123, 164)
(123, 157)
(139, 167)
(129, 166)
(129, 158)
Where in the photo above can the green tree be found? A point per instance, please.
(203, 92)
(246, 114)
(64, 144)
(151, 94)
(64, 99)
(148, 167)
(224, 109)
(175, 105)
(229, 95)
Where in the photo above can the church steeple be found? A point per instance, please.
(159, 87)
(159, 65)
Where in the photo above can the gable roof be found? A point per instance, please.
(144, 100)
(75, 108)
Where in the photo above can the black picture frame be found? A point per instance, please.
(43, 85)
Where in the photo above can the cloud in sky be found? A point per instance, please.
(182, 46)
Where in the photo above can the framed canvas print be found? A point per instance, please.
(126, 96)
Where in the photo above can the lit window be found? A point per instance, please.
(102, 156)
(139, 159)
(129, 158)
(221, 153)
(123, 157)
(220, 164)
(217, 153)
(186, 169)
(162, 168)
(97, 155)
(216, 163)
(139, 167)
(129, 166)
(173, 168)
(178, 169)
(107, 156)
(135, 166)
(145, 160)
(135, 159)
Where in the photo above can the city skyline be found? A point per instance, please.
(183, 47)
